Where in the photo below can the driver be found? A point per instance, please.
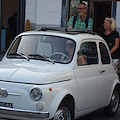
(69, 48)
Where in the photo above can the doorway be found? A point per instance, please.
(101, 10)
(8, 31)
(7, 8)
(97, 10)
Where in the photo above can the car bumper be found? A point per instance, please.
(26, 113)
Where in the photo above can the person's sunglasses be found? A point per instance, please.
(80, 8)
(70, 45)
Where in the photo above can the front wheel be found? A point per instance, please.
(64, 112)
(112, 108)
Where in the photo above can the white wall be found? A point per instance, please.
(31, 10)
(118, 16)
(44, 12)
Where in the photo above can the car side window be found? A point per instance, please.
(105, 58)
(87, 54)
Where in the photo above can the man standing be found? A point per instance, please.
(12, 22)
(81, 21)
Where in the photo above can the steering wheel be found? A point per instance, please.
(63, 56)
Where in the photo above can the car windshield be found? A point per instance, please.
(43, 47)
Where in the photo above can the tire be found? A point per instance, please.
(112, 108)
(64, 112)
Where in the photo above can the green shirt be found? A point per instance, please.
(80, 24)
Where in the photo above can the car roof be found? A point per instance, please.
(75, 34)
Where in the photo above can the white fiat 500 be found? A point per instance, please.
(57, 74)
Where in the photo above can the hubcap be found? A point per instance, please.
(62, 114)
(115, 101)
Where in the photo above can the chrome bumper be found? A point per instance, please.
(26, 113)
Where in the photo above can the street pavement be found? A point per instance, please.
(98, 115)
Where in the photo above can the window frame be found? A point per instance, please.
(90, 41)
(109, 62)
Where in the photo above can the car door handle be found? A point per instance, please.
(102, 71)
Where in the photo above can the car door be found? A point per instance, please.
(88, 76)
(107, 72)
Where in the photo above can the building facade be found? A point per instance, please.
(52, 13)
(44, 13)
(56, 13)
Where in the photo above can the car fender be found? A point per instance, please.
(115, 83)
(58, 99)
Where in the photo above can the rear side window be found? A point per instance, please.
(88, 51)
(105, 58)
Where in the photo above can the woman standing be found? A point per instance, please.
(111, 36)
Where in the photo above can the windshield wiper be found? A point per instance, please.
(40, 55)
(20, 54)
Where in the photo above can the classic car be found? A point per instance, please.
(57, 74)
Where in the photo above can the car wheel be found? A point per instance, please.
(64, 112)
(112, 108)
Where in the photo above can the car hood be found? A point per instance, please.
(34, 73)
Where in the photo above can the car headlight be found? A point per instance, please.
(36, 94)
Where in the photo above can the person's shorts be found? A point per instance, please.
(115, 63)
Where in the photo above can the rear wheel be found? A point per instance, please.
(64, 112)
(112, 108)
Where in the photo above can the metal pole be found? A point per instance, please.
(63, 17)
(18, 14)
(89, 9)
(113, 11)
(21, 16)
(67, 9)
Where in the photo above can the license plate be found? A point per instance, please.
(5, 104)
